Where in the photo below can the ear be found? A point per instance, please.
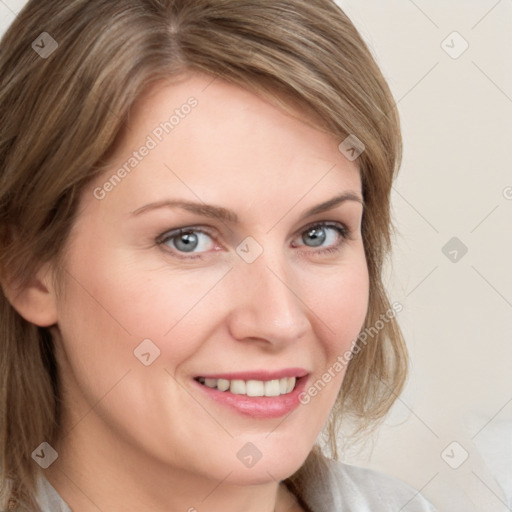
(36, 301)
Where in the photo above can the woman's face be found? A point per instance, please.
(267, 282)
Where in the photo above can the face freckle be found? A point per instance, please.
(219, 301)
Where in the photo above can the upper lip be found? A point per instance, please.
(258, 374)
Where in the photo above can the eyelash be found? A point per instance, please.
(342, 230)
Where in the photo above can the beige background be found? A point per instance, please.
(456, 181)
(457, 318)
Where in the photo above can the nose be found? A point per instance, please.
(268, 303)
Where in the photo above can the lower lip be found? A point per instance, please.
(261, 407)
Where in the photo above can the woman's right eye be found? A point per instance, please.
(187, 241)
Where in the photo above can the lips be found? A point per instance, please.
(255, 383)
(260, 394)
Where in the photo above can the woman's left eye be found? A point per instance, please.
(191, 243)
(328, 235)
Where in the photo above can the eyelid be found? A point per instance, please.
(335, 224)
(171, 233)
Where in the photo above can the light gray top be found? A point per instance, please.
(350, 488)
(347, 488)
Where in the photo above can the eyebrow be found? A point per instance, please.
(223, 214)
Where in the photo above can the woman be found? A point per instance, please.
(191, 292)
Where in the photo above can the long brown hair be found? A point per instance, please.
(64, 110)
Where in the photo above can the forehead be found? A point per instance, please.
(214, 140)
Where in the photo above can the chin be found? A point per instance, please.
(264, 473)
(261, 462)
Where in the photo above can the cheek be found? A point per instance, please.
(341, 302)
(113, 303)
(341, 305)
(144, 297)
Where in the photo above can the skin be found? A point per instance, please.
(141, 437)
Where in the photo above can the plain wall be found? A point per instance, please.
(456, 181)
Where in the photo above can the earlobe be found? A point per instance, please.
(36, 301)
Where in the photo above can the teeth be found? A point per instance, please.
(270, 388)
(255, 388)
(238, 387)
(222, 384)
(211, 383)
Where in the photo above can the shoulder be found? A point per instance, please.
(360, 489)
(373, 487)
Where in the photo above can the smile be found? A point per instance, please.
(258, 394)
(269, 388)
